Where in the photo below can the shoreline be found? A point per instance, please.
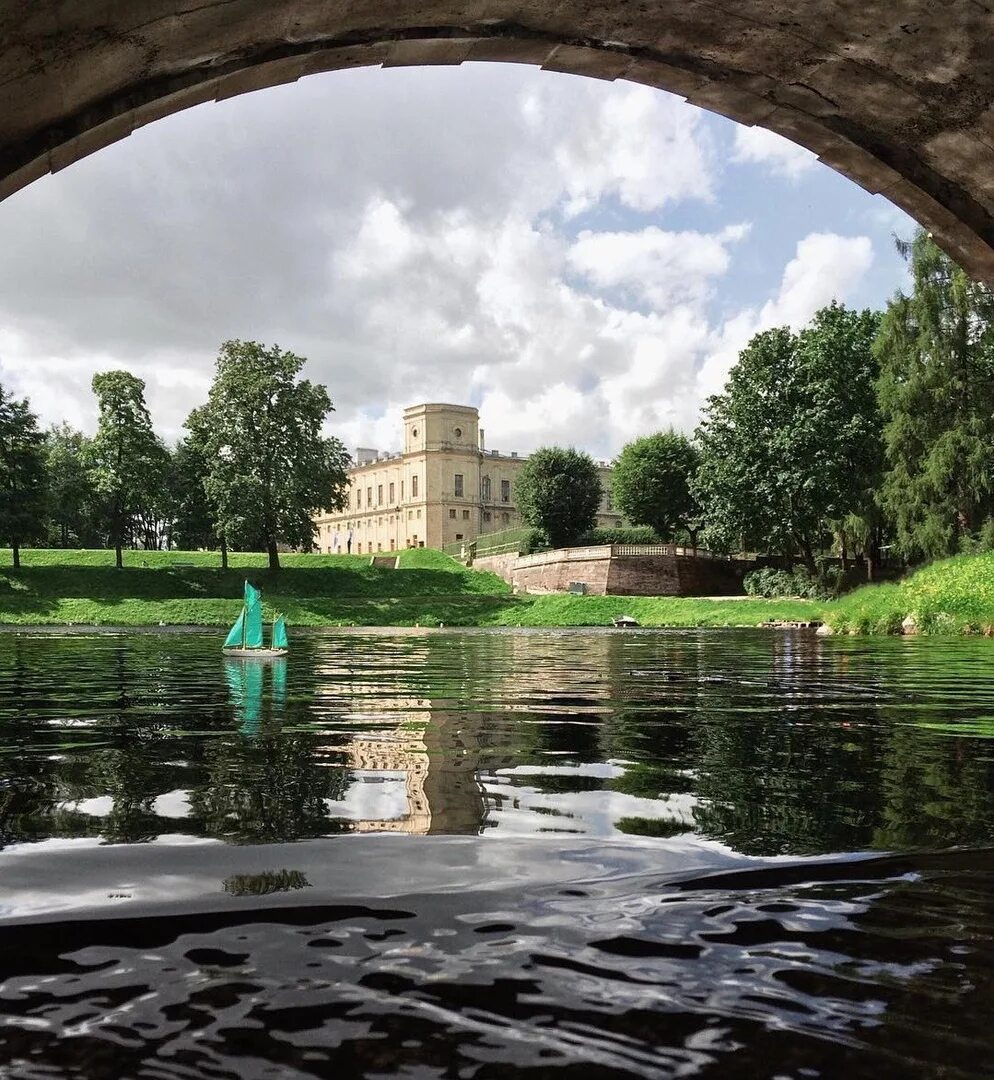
(81, 591)
(175, 630)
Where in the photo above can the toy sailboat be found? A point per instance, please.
(245, 637)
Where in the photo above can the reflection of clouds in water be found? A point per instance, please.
(593, 813)
(98, 806)
(173, 804)
(605, 770)
(373, 796)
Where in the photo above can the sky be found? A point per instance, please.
(581, 260)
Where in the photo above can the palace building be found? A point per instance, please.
(442, 488)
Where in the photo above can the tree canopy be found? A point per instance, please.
(652, 482)
(193, 518)
(126, 461)
(269, 468)
(72, 499)
(793, 442)
(22, 474)
(936, 391)
(559, 491)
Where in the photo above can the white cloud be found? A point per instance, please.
(661, 268)
(413, 233)
(642, 146)
(826, 267)
(760, 146)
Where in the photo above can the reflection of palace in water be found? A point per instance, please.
(438, 753)
(445, 755)
(538, 755)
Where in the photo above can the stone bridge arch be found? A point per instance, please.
(895, 94)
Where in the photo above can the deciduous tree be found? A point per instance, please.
(559, 491)
(72, 500)
(194, 523)
(793, 443)
(124, 457)
(652, 481)
(22, 474)
(269, 466)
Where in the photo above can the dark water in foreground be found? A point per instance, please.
(715, 854)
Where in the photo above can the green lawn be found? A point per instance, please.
(179, 588)
(952, 596)
(189, 588)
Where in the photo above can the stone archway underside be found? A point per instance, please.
(896, 94)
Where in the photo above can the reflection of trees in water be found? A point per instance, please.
(264, 790)
(145, 710)
(770, 744)
(777, 764)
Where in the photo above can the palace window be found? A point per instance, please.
(486, 517)
(410, 515)
(458, 536)
(369, 496)
(358, 498)
(402, 491)
(505, 491)
(465, 515)
(506, 518)
(458, 485)
(414, 487)
(379, 494)
(419, 513)
(485, 488)
(391, 493)
(452, 513)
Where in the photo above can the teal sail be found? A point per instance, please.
(245, 693)
(236, 635)
(247, 631)
(253, 617)
(279, 685)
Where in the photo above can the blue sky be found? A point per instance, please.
(582, 260)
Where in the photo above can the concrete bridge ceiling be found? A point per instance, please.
(895, 94)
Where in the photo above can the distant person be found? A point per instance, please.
(348, 542)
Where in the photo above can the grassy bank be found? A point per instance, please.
(189, 588)
(953, 596)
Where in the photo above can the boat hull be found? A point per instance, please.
(255, 654)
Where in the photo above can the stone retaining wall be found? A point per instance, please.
(621, 571)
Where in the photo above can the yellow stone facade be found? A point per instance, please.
(442, 488)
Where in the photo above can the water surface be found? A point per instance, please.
(724, 853)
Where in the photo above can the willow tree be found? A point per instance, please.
(936, 392)
(269, 467)
(22, 474)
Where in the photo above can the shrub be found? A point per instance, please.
(773, 584)
(632, 534)
(534, 540)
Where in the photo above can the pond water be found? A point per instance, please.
(481, 854)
